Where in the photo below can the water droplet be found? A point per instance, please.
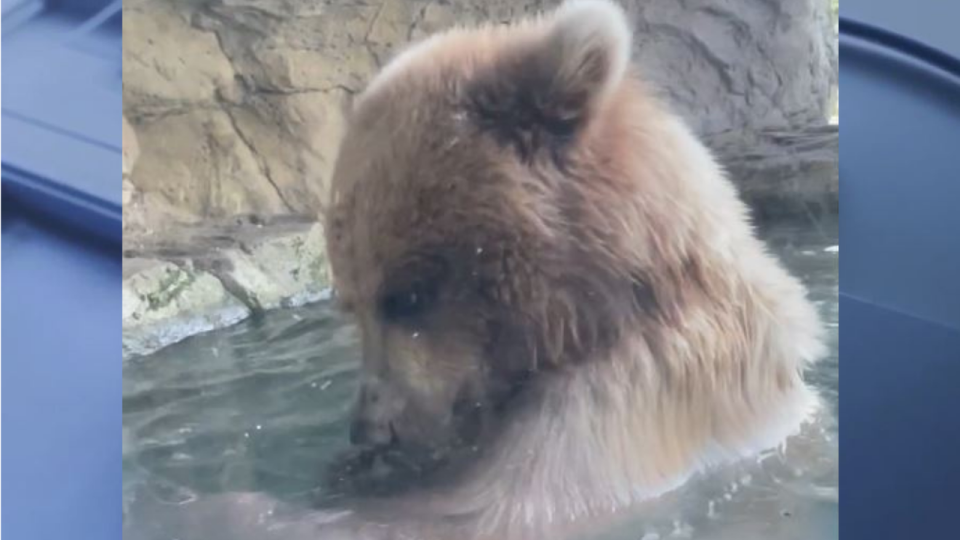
(681, 530)
(246, 434)
(416, 335)
(832, 249)
(259, 427)
(479, 250)
(326, 384)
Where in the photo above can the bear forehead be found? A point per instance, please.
(453, 56)
(417, 202)
(450, 193)
(432, 188)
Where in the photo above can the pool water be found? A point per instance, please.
(262, 406)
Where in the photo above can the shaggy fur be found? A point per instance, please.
(558, 290)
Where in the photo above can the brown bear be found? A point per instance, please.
(563, 307)
(564, 310)
(562, 303)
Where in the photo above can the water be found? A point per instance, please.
(262, 406)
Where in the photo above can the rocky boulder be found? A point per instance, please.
(165, 302)
(204, 277)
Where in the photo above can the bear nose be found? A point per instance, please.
(377, 407)
(364, 432)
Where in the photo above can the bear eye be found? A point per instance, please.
(408, 303)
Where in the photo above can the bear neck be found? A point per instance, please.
(620, 430)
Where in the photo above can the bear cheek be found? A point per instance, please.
(420, 369)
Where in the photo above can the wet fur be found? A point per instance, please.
(597, 289)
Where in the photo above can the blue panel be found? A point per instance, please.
(62, 102)
(900, 269)
(933, 22)
(61, 170)
(61, 383)
(900, 173)
(15, 12)
(900, 438)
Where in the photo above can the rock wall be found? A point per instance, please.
(238, 105)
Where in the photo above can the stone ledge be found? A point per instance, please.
(783, 174)
(205, 277)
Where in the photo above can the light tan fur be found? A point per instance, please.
(703, 367)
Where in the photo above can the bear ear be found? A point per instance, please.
(546, 90)
(589, 47)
